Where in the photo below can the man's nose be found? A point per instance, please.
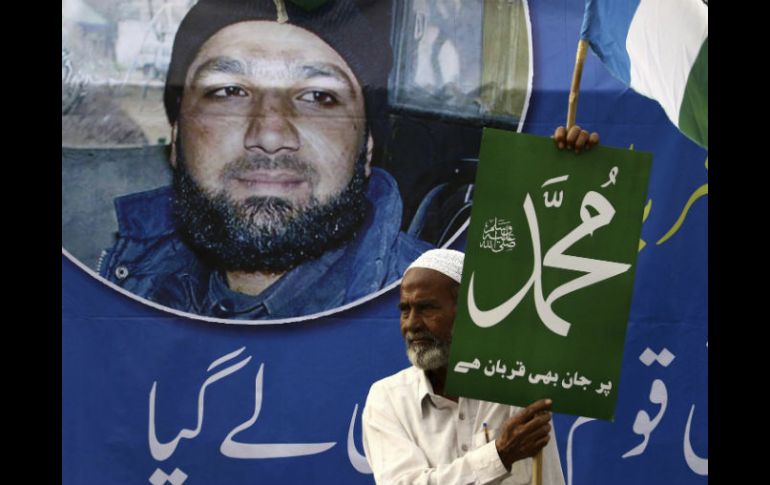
(411, 322)
(271, 128)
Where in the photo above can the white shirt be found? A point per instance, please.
(414, 437)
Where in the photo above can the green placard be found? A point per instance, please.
(548, 274)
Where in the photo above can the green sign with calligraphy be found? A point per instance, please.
(548, 274)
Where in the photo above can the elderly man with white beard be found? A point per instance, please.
(415, 433)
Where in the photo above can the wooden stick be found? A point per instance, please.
(537, 468)
(575, 88)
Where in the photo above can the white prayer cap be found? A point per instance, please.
(445, 261)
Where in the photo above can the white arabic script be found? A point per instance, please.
(596, 270)
(230, 447)
(161, 451)
(237, 449)
(498, 236)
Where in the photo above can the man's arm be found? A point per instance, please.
(397, 460)
(523, 436)
(525, 433)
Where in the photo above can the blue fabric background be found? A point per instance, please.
(317, 372)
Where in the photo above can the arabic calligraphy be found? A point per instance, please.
(358, 460)
(544, 378)
(643, 425)
(558, 197)
(159, 477)
(555, 180)
(499, 368)
(498, 236)
(570, 440)
(697, 464)
(236, 449)
(645, 215)
(701, 191)
(595, 270)
(613, 173)
(229, 447)
(604, 389)
(555, 201)
(161, 451)
(464, 367)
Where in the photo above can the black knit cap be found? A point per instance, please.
(338, 22)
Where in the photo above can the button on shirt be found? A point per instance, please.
(414, 437)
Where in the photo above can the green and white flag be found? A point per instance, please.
(548, 274)
(660, 49)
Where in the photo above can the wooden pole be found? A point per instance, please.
(537, 468)
(575, 88)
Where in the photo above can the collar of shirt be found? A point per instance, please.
(276, 297)
(427, 397)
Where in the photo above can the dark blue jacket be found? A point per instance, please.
(151, 261)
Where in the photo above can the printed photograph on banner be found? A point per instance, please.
(548, 276)
(437, 42)
(276, 160)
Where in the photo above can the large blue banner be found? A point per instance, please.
(151, 395)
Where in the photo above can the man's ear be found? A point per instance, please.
(369, 153)
(172, 157)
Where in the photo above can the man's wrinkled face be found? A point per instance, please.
(427, 306)
(271, 110)
(271, 148)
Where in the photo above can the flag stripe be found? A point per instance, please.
(663, 41)
(605, 26)
(694, 113)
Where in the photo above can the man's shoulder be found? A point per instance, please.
(382, 248)
(404, 379)
(384, 195)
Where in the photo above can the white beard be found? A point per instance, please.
(429, 357)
